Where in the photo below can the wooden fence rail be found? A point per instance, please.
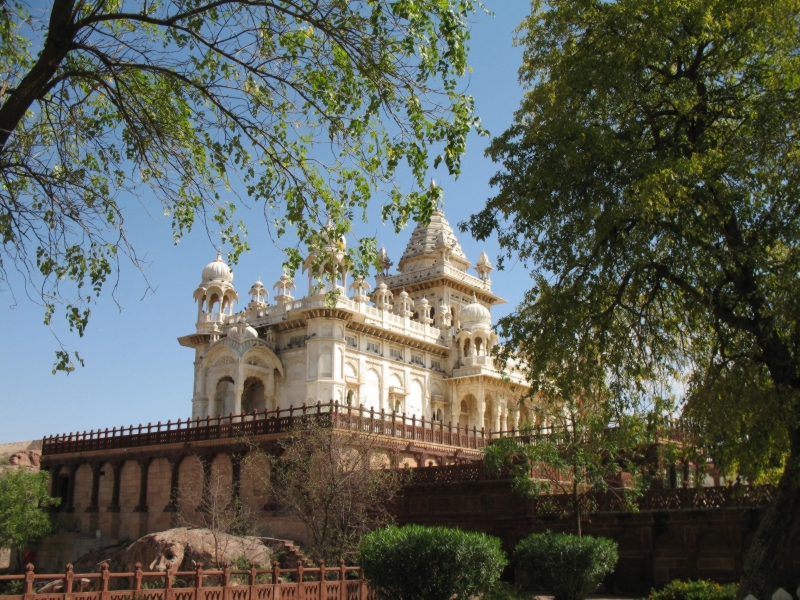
(302, 583)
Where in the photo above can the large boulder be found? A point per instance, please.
(182, 548)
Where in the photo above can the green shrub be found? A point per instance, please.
(568, 566)
(505, 591)
(430, 563)
(695, 590)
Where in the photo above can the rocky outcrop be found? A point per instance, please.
(182, 548)
(287, 553)
(26, 459)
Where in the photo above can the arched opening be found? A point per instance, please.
(466, 347)
(478, 346)
(349, 397)
(465, 418)
(438, 416)
(253, 396)
(223, 397)
(212, 302)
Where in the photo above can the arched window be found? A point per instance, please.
(466, 347)
(349, 397)
(253, 397)
(223, 398)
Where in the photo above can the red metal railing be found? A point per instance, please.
(318, 583)
(264, 423)
(397, 425)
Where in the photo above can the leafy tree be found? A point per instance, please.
(569, 567)
(313, 105)
(650, 179)
(578, 447)
(430, 563)
(23, 503)
(336, 483)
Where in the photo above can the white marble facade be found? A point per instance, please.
(419, 342)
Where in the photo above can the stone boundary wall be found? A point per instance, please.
(655, 546)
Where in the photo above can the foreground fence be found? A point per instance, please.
(302, 583)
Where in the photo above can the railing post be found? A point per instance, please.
(168, 594)
(342, 581)
(69, 576)
(198, 580)
(362, 587)
(252, 581)
(300, 592)
(226, 581)
(27, 586)
(137, 577)
(321, 595)
(104, 577)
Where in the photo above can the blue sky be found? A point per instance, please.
(135, 370)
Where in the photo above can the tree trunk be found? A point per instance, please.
(576, 506)
(60, 36)
(761, 572)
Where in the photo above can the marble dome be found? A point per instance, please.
(475, 315)
(217, 270)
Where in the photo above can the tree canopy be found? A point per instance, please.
(650, 181)
(23, 515)
(313, 105)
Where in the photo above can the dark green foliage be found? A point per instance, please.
(568, 566)
(170, 102)
(651, 183)
(23, 509)
(505, 591)
(430, 563)
(695, 590)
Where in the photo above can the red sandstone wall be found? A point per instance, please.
(655, 546)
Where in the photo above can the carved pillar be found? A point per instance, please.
(236, 474)
(144, 468)
(174, 481)
(53, 470)
(73, 472)
(205, 461)
(117, 466)
(479, 423)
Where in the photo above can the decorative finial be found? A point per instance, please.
(433, 183)
(219, 252)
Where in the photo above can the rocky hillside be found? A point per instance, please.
(17, 455)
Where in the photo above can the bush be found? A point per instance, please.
(430, 563)
(568, 566)
(695, 590)
(505, 591)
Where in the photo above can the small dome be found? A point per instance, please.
(328, 234)
(475, 315)
(404, 294)
(382, 286)
(423, 302)
(244, 331)
(217, 270)
(483, 260)
(258, 285)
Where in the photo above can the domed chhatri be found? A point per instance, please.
(217, 270)
(418, 341)
(475, 315)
